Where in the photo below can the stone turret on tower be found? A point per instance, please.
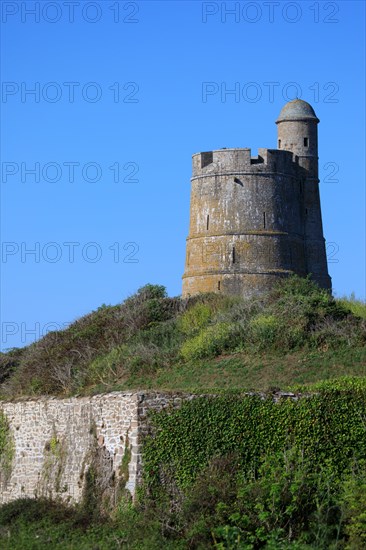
(298, 132)
(255, 219)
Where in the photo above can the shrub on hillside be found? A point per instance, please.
(298, 313)
(156, 346)
(106, 368)
(357, 307)
(287, 503)
(264, 330)
(58, 363)
(195, 318)
(211, 341)
(149, 305)
(9, 362)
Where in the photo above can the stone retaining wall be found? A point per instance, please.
(57, 441)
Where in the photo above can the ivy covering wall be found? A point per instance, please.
(329, 428)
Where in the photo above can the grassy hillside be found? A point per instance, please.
(230, 472)
(296, 334)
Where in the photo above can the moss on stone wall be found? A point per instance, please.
(124, 467)
(7, 449)
(99, 489)
(55, 454)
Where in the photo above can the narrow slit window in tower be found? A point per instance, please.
(306, 211)
(306, 142)
(279, 144)
(218, 285)
(264, 220)
(207, 222)
(233, 254)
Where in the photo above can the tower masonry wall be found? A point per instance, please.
(291, 136)
(236, 190)
(234, 160)
(246, 221)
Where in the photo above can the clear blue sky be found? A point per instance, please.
(121, 103)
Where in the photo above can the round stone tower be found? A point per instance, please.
(297, 127)
(255, 219)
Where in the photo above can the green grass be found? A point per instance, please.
(259, 371)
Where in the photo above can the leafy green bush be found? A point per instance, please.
(288, 503)
(195, 319)
(211, 341)
(165, 335)
(264, 330)
(301, 314)
(353, 502)
(155, 347)
(331, 333)
(276, 506)
(145, 358)
(150, 304)
(9, 362)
